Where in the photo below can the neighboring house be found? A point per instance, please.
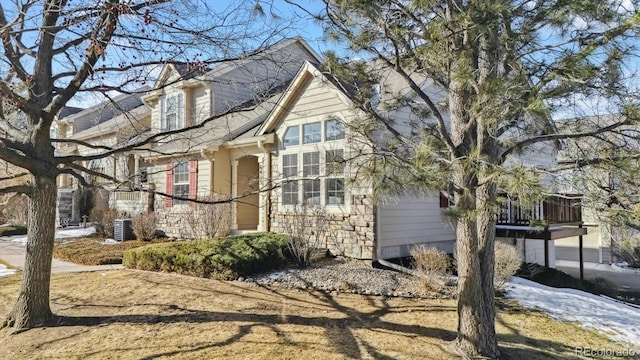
(108, 123)
(606, 190)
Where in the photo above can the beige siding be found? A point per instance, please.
(204, 177)
(201, 102)
(410, 221)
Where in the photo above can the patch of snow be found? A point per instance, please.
(109, 242)
(624, 267)
(615, 319)
(274, 275)
(4, 271)
(70, 232)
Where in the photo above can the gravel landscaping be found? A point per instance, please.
(350, 276)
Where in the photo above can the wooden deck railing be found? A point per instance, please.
(559, 209)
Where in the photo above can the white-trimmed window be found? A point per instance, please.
(333, 130)
(334, 184)
(290, 165)
(311, 164)
(181, 182)
(312, 133)
(290, 188)
(173, 117)
(291, 136)
(290, 192)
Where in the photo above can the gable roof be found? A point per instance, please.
(190, 71)
(305, 75)
(133, 118)
(104, 111)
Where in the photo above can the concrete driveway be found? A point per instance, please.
(622, 280)
(14, 254)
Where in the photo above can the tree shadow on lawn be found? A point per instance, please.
(341, 332)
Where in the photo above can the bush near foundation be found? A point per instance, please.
(221, 258)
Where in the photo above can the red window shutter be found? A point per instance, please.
(444, 201)
(169, 190)
(193, 180)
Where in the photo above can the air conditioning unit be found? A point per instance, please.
(122, 230)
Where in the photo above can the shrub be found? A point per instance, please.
(92, 250)
(627, 248)
(433, 264)
(207, 221)
(144, 226)
(305, 228)
(12, 230)
(222, 258)
(102, 220)
(507, 263)
(16, 211)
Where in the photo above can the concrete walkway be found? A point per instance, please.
(14, 253)
(622, 280)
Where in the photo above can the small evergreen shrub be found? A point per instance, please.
(221, 258)
(144, 226)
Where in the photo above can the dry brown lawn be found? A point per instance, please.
(126, 314)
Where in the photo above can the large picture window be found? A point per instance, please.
(311, 188)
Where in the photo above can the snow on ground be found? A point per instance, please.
(4, 271)
(617, 320)
(69, 232)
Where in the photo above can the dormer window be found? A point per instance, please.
(174, 113)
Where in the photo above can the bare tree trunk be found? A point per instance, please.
(32, 307)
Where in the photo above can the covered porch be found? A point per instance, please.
(241, 169)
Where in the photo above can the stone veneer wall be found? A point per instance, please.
(186, 221)
(349, 234)
(172, 220)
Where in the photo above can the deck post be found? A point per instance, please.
(547, 235)
(581, 259)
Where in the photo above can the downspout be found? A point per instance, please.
(267, 202)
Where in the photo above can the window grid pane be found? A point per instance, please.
(311, 132)
(290, 165)
(334, 130)
(311, 163)
(334, 162)
(335, 191)
(291, 136)
(181, 173)
(290, 192)
(311, 193)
